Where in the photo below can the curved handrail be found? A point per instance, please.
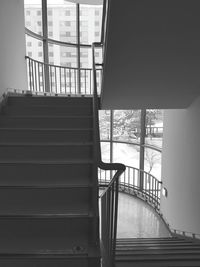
(109, 198)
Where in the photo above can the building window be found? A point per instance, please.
(50, 54)
(50, 23)
(39, 13)
(39, 54)
(39, 23)
(29, 44)
(67, 13)
(49, 12)
(28, 12)
(30, 54)
(28, 23)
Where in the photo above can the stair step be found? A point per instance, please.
(24, 234)
(157, 257)
(70, 200)
(166, 251)
(45, 173)
(49, 100)
(160, 263)
(49, 259)
(45, 135)
(47, 151)
(28, 122)
(48, 110)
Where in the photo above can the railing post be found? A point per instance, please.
(142, 143)
(78, 49)
(45, 45)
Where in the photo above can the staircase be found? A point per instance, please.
(48, 183)
(143, 252)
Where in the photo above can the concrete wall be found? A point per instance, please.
(181, 168)
(12, 45)
(152, 54)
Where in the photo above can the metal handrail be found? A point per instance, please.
(130, 183)
(109, 198)
(62, 80)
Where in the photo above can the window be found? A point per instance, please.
(39, 54)
(28, 23)
(50, 23)
(39, 13)
(49, 12)
(50, 54)
(96, 23)
(67, 13)
(39, 23)
(29, 44)
(30, 54)
(96, 12)
(28, 12)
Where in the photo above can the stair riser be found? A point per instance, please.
(48, 111)
(45, 136)
(59, 101)
(44, 174)
(52, 122)
(15, 201)
(45, 230)
(46, 152)
(75, 262)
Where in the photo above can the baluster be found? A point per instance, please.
(35, 76)
(75, 80)
(32, 72)
(65, 79)
(85, 82)
(60, 73)
(30, 84)
(55, 71)
(70, 81)
(51, 74)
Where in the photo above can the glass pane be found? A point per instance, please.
(63, 55)
(34, 48)
(126, 154)
(154, 127)
(86, 57)
(126, 126)
(105, 152)
(61, 21)
(152, 162)
(90, 23)
(33, 15)
(104, 124)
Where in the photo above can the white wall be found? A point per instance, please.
(181, 168)
(12, 45)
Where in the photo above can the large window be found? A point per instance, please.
(133, 137)
(63, 23)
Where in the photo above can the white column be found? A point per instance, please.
(181, 168)
(12, 45)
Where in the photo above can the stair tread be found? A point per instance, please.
(59, 162)
(47, 215)
(45, 129)
(46, 144)
(45, 116)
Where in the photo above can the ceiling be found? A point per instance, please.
(152, 54)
